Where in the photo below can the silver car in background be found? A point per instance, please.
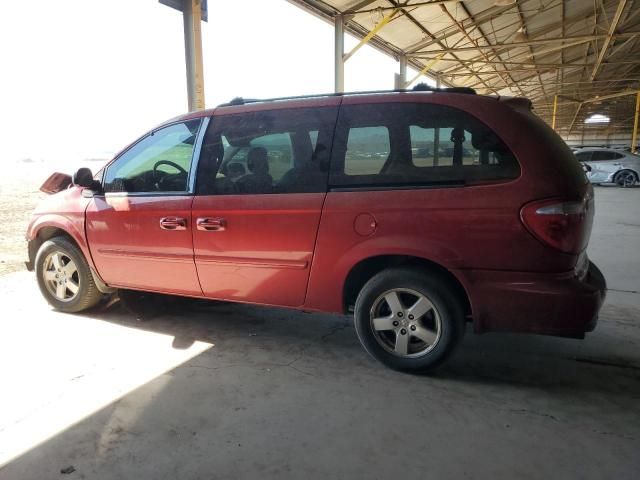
(606, 165)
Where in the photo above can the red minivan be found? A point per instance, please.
(418, 211)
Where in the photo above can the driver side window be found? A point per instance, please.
(160, 162)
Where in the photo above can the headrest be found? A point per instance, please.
(257, 160)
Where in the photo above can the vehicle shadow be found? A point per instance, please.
(278, 384)
(325, 345)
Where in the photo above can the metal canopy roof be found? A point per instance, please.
(587, 52)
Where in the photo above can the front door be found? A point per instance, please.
(261, 184)
(139, 232)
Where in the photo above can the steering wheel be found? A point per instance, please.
(171, 164)
(169, 181)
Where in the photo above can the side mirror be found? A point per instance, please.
(84, 178)
(586, 168)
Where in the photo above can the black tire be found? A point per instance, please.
(626, 178)
(445, 320)
(86, 293)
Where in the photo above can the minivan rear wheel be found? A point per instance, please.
(64, 276)
(409, 320)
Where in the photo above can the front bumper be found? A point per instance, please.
(563, 305)
(30, 256)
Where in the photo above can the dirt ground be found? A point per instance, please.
(19, 195)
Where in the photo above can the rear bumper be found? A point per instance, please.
(549, 304)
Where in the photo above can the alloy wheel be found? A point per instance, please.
(626, 179)
(61, 276)
(405, 323)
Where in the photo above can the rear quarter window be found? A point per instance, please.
(564, 161)
(407, 144)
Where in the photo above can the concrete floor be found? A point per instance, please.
(233, 391)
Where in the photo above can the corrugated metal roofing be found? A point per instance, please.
(577, 49)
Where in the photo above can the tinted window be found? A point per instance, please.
(277, 151)
(160, 162)
(565, 163)
(432, 147)
(413, 144)
(602, 155)
(583, 156)
(367, 150)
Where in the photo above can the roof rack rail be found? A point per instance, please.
(421, 87)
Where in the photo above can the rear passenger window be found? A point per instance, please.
(367, 150)
(416, 144)
(265, 152)
(604, 155)
(583, 156)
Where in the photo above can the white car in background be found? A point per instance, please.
(606, 165)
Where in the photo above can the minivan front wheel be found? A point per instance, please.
(408, 320)
(64, 277)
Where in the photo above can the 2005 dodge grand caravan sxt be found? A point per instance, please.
(417, 210)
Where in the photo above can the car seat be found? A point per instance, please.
(258, 180)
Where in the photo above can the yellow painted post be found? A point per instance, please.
(192, 17)
(426, 68)
(386, 19)
(196, 9)
(634, 137)
(555, 109)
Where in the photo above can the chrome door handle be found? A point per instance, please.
(211, 224)
(173, 223)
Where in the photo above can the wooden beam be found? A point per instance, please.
(428, 33)
(358, 6)
(539, 41)
(355, 9)
(386, 19)
(531, 63)
(600, 98)
(607, 41)
(574, 117)
(473, 41)
(481, 18)
(583, 16)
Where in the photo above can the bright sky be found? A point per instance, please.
(82, 78)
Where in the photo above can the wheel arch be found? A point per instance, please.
(365, 269)
(48, 231)
(627, 169)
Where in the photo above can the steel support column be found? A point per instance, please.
(192, 16)
(402, 77)
(555, 110)
(339, 54)
(634, 137)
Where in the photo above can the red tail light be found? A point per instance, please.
(563, 225)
